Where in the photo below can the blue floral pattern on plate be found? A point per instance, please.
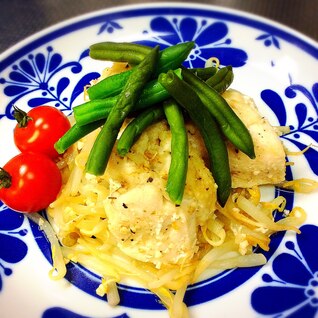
(211, 39)
(306, 115)
(58, 312)
(292, 289)
(12, 247)
(109, 27)
(41, 72)
(36, 75)
(269, 40)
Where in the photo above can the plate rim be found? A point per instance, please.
(12, 53)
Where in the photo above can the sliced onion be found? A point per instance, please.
(59, 269)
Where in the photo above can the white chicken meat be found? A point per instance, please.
(145, 223)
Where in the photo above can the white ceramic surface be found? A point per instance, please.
(275, 65)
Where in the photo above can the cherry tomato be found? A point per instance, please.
(29, 182)
(39, 129)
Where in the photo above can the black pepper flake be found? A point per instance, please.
(133, 232)
(150, 179)
(177, 205)
(125, 206)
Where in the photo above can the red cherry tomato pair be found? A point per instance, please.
(30, 181)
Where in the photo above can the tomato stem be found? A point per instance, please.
(5, 179)
(21, 116)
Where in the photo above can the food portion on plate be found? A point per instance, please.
(161, 172)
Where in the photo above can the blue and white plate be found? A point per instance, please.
(274, 64)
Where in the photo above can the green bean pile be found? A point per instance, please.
(157, 87)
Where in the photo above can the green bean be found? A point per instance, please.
(170, 58)
(93, 110)
(184, 94)
(119, 52)
(109, 86)
(153, 93)
(173, 56)
(74, 134)
(136, 127)
(93, 113)
(179, 151)
(218, 80)
(98, 109)
(222, 80)
(231, 125)
(103, 145)
(205, 72)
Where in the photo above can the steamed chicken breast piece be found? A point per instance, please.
(141, 217)
(269, 165)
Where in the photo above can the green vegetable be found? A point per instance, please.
(231, 125)
(109, 86)
(222, 80)
(173, 56)
(93, 110)
(74, 134)
(119, 52)
(132, 92)
(102, 148)
(136, 127)
(90, 111)
(205, 72)
(184, 94)
(179, 151)
(170, 58)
